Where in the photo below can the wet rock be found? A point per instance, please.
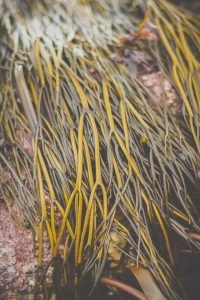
(16, 255)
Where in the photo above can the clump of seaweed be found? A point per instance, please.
(87, 155)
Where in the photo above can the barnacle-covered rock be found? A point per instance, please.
(17, 260)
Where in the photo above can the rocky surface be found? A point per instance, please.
(17, 260)
(163, 91)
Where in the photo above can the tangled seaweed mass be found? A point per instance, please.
(86, 152)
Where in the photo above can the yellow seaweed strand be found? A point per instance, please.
(38, 61)
(160, 221)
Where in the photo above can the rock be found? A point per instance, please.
(16, 257)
